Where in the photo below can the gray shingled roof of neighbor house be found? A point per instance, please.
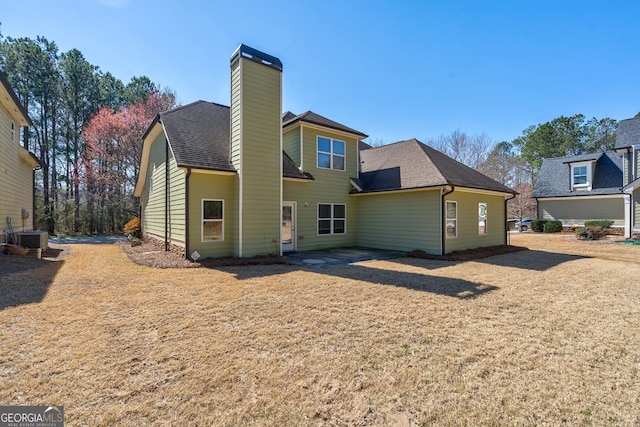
(289, 119)
(628, 133)
(412, 164)
(199, 137)
(554, 179)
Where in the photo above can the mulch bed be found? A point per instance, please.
(150, 254)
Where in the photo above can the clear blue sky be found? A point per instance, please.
(391, 69)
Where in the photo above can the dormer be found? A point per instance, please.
(582, 171)
(582, 176)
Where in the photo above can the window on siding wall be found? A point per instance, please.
(332, 219)
(581, 176)
(212, 220)
(482, 219)
(331, 153)
(13, 130)
(452, 220)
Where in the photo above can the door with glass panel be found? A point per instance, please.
(288, 226)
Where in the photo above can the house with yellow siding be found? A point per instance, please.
(249, 180)
(17, 165)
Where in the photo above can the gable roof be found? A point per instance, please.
(199, 138)
(628, 133)
(411, 164)
(199, 135)
(289, 119)
(9, 98)
(554, 179)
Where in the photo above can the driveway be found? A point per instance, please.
(87, 239)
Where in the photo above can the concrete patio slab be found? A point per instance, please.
(331, 258)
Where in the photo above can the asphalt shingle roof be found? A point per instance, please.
(554, 179)
(199, 135)
(412, 164)
(310, 117)
(628, 133)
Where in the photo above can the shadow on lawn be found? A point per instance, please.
(528, 259)
(457, 288)
(28, 285)
(451, 287)
(531, 260)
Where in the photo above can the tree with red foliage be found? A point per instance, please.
(112, 160)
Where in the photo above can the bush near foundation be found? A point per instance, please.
(591, 233)
(537, 225)
(552, 227)
(133, 228)
(604, 223)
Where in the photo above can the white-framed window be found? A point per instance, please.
(13, 131)
(212, 220)
(581, 176)
(482, 219)
(332, 218)
(451, 219)
(331, 153)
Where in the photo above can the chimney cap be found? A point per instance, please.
(256, 56)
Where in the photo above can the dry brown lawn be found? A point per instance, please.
(547, 336)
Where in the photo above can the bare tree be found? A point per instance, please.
(471, 150)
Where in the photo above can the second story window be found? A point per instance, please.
(581, 177)
(331, 153)
(13, 131)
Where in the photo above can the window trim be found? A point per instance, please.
(203, 220)
(587, 175)
(332, 219)
(482, 218)
(331, 153)
(454, 219)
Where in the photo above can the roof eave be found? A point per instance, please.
(19, 108)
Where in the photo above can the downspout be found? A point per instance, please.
(33, 199)
(443, 225)
(186, 215)
(506, 223)
(633, 163)
(166, 196)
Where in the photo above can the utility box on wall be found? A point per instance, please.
(33, 239)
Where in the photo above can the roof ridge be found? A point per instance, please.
(423, 148)
(192, 104)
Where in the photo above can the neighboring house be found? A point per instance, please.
(17, 164)
(628, 144)
(247, 180)
(600, 186)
